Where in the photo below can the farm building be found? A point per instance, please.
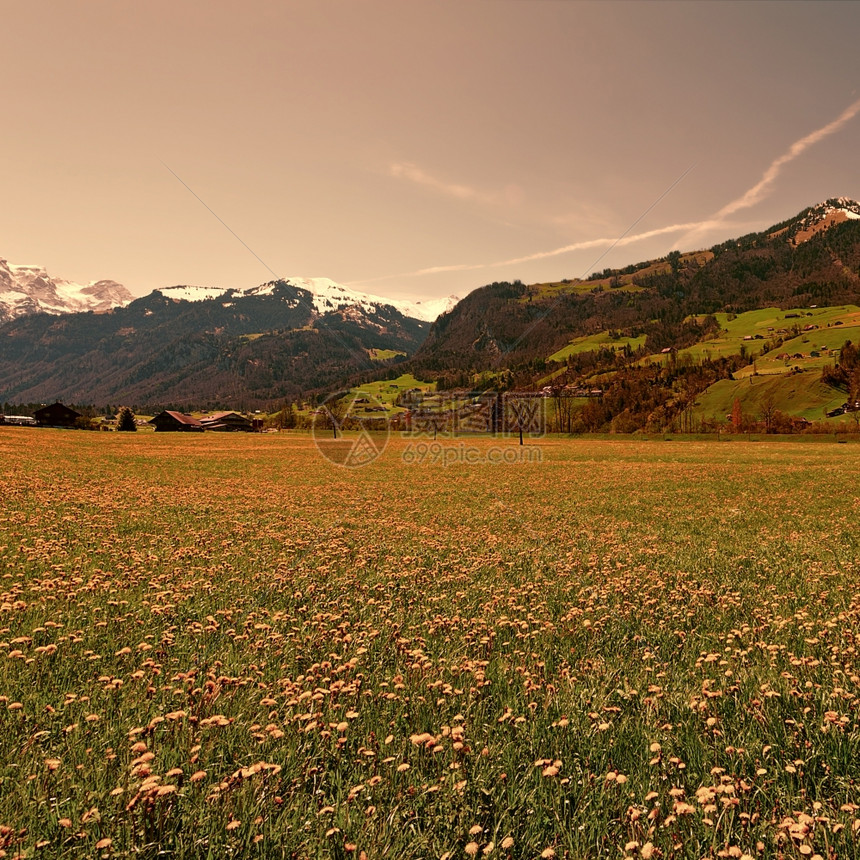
(56, 415)
(175, 422)
(226, 422)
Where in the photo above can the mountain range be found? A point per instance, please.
(186, 346)
(812, 258)
(195, 344)
(30, 289)
(209, 347)
(324, 295)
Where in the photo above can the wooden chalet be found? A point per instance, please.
(56, 415)
(176, 422)
(226, 422)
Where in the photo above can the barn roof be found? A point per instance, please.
(221, 416)
(181, 418)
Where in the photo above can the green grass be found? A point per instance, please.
(797, 394)
(552, 289)
(618, 283)
(767, 322)
(383, 354)
(803, 395)
(825, 341)
(225, 646)
(388, 390)
(589, 343)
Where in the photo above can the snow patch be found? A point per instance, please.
(329, 295)
(192, 294)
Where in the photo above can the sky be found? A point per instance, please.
(412, 148)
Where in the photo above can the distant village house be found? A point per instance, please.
(56, 415)
(175, 422)
(226, 422)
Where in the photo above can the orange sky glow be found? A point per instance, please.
(413, 149)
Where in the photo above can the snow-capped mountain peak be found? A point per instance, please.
(325, 295)
(823, 216)
(28, 289)
(329, 295)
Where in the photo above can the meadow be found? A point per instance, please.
(225, 646)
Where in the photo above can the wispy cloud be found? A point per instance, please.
(541, 255)
(417, 175)
(412, 172)
(689, 230)
(598, 243)
(763, 187)
(565, 249)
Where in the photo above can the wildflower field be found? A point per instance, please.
(226, 646)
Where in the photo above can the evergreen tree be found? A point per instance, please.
(125, 420)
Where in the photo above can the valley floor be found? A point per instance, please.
(225, 645)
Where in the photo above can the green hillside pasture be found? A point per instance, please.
(623, 282)
(803, 395)
(825, 341)
(386, 391)
(589, 343)
(225, 646)
(768, 323)
(383, 354)
(550, 290)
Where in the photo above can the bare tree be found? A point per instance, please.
(335, 410)
(768, 413)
